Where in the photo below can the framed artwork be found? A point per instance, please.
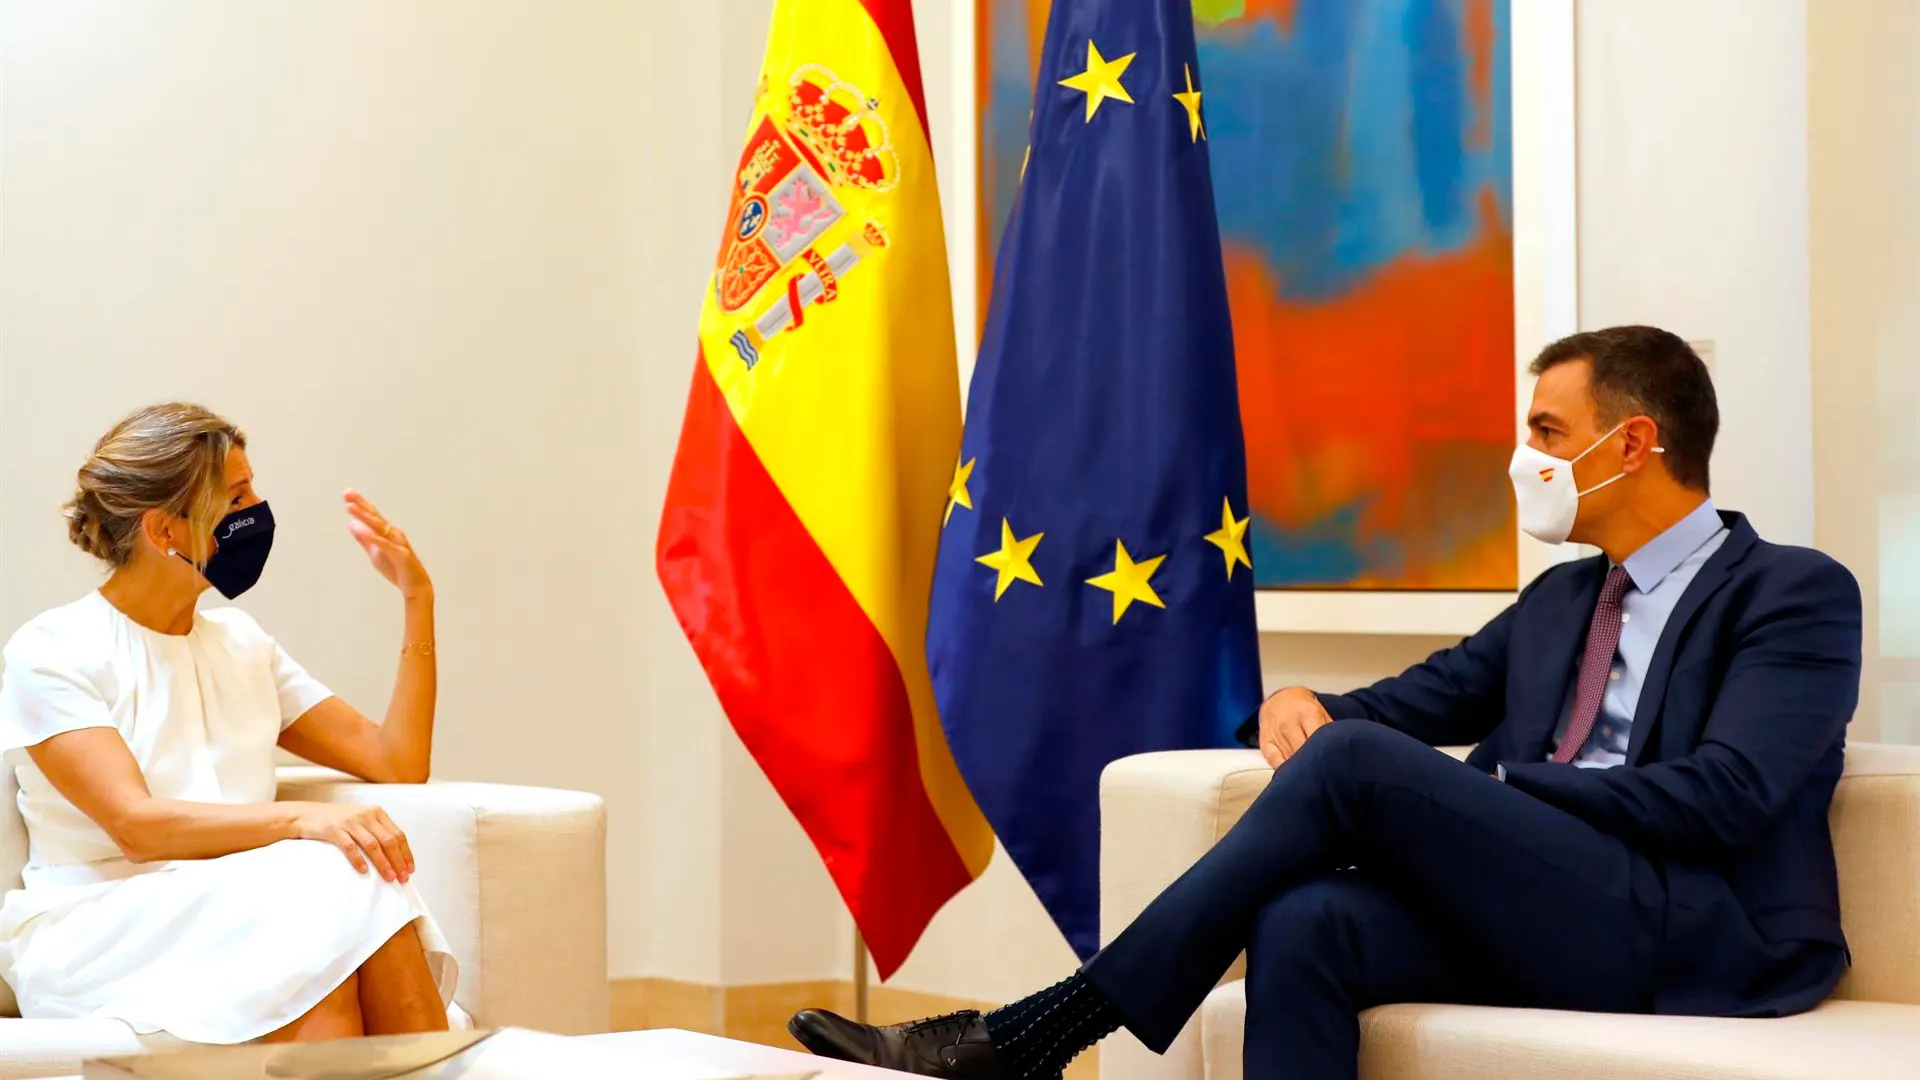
(1395, 183)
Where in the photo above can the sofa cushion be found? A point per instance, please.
(1876, 837)
(1840, 1040)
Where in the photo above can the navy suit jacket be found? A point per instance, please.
(1736, 747)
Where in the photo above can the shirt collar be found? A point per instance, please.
(1660, 556)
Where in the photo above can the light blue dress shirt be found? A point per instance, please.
(1661, 572)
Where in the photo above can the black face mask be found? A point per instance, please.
(245, 538)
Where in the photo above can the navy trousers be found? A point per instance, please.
(1375, 869)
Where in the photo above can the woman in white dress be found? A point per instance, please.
(165, 887)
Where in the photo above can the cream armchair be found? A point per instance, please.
(1160, 812)
(515, 876)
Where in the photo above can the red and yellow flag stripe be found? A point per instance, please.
(803, 515)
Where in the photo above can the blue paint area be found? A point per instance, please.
(1338, 146)
(1006, 118)
(1437, 92)
(1347, 142)
(1331, 551)
(1496, 166)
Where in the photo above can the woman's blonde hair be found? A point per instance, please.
(171, 458)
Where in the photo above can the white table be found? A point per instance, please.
(710, 1057)
(669, 1054)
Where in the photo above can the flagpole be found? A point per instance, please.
(859, 977)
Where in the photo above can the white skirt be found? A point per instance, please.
(212, 951)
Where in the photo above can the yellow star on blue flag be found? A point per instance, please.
(1101, 80)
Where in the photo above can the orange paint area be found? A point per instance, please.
(1383, 398)
(1280, 11)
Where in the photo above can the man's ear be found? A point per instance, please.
(1642, 444)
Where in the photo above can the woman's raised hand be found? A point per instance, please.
(387, 548)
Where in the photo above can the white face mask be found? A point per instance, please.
(1543, 486)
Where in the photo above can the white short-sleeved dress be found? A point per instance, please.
(211, 951)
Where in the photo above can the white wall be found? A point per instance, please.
(1693, 216)
(678, 774)
(1864, 149)
(454, 253)
(405, 246)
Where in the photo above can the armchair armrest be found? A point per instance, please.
(1158, 814)
(516, 878)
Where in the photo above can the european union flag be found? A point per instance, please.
(1094, 595)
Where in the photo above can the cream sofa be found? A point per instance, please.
(1160, 812)
(515, 876)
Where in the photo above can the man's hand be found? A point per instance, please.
(1286, 721)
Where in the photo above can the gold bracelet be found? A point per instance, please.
(417, 648)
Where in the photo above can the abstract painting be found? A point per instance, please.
(1362, 168)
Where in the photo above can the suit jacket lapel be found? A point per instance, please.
(1560, 660)
(1717, 572)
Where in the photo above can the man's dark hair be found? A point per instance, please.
(1646, 371)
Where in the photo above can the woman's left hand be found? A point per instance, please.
(387, 548)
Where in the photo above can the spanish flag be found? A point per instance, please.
(817, 461)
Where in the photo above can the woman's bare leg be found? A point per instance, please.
(397, 992)
(336, 1017)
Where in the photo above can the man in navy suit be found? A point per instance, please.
(1641, 828)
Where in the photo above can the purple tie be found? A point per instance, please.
(1603, 640)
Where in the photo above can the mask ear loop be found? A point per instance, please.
(1617, 478)
(1602, 439)
(1598, 443)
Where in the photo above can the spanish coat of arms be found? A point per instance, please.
(825, 143)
